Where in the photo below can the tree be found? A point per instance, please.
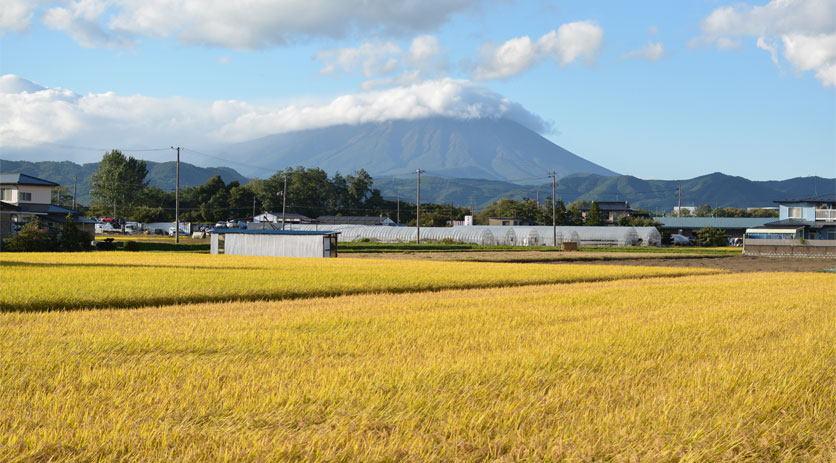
(704, 210)
(118, 182)
(712, 237)
(594, 216)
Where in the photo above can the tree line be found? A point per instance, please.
(119, 187)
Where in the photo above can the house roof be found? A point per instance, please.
(794, 223)
(611, 206)
(46, 209)
(351, 220)
(247, 231)
(23, 179)
(287, 216)
(828, 198)
(8, 206)
(713, 222)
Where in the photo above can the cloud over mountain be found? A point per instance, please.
(31, 114)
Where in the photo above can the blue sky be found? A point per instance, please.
(652, 89)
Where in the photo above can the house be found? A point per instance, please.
(505, 222)
(611, 211)
(355, 220)
(25, 198)
(276, 217)
(279, 243)
(806, 227)
(735, 227)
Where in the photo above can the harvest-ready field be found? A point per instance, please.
(50, 281)
(581, 365)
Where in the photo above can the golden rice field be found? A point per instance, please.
(700, 368)
(51, 281)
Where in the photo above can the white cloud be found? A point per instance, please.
(650, 52)
(423, 60)
(806, 30)
(571, 41)
(240, 24)
(582, 39)
(372, 58)
(770, 47)
(16, 15)
(223, 60)
(506, 60)
(31, 114)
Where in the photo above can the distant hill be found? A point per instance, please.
(717, 189)
(160, 174)
(495, 149)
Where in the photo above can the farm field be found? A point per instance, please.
(701, 367)
(52, 281)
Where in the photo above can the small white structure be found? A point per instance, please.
(280, 243)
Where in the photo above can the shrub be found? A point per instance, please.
(106, 245)
(31, 238)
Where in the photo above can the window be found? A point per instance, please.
(23, 196)
(794, 212)
(5, 194)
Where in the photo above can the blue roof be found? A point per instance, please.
(23, 179)
(713, 222)
(273, 232)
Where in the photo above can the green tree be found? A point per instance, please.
(594, 216)
(704, 210)
(119, 182)
(712, 237)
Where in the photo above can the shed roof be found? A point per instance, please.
(271, 232)
(23, 179)
(713, 222)
(351, 220)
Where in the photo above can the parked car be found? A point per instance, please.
(680, 240)
(171, 232)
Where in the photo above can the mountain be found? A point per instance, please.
(160, 174)
(717, 190)
(494, 149)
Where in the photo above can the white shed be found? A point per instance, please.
(281, 243)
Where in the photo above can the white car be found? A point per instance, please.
(680, 240)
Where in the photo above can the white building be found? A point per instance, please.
(280, 243)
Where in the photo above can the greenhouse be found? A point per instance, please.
(547, 235)
(605, 236)
(502, 235)
(527, 236)
(649, 236)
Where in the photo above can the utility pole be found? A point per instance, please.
(679, 209)
(253, 208)
(399, 209)
(553, 175)
(177, 201)
(451, 213)
(418, 208)
(538, 200)
(471, 206)
(75, 188)
(284, 199)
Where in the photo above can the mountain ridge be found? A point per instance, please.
(495, 149)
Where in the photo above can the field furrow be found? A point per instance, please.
(695, 368)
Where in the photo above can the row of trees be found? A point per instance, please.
(706, 210)
(120, 188)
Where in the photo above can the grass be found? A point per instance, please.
(53, 281)
(695, 368)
